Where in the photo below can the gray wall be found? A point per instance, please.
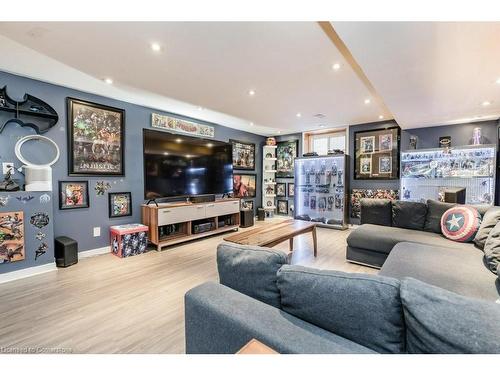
(79, 223)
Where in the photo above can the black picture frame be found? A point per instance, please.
(112, 196)
(281, 155)
(237, 146)
(281, 193)
(63, 195)
(278, 206)
(291, 193)
(252, 191)
(78, 171)
(377, 153)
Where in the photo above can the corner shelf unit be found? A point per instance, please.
(269, 179)
(173, 223)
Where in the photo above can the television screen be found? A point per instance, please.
(178, 165)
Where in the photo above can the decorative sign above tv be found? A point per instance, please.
(181, 126)
(96, 139)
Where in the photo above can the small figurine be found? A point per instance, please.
(8, 183)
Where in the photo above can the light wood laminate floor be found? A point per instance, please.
(134, 305)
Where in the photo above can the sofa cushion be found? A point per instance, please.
(383, 239)
(489, 220)
(460, 223)
(409, 215)
(492, 249)
(439, 321)
(435, 211)
(459, 269)
(376, 211)
(251, 270)
(363, 308)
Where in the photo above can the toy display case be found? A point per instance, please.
(428, 173)
(129, 239)
(321, 191)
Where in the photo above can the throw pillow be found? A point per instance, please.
(460, 223)
(363, 308)
(492, 249)
(435, 211)
(490, 219)
(251, 270)
(376, 211)
(409, 215)
(442, 322)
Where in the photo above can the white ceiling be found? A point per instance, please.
(214, 65)
(424, 73)
(429, 73)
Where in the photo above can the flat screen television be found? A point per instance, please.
(178, 165)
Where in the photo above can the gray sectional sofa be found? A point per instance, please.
(296, 309)
(410, 244)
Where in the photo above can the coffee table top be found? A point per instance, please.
(272, 233)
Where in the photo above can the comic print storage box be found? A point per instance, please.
(129, 239)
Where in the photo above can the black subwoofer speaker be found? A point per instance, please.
(65, 251)
(246, 218)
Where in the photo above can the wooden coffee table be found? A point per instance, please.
(273, 234)
(254, 346)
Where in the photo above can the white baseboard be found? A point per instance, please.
(94, 252)
(27, 272)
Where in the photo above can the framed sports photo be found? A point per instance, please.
(376, 153)
(120, 204)
(73, 194)
(243, 155)
(96, 139)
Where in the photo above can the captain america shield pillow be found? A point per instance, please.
(460, 223)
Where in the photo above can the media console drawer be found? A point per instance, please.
(222, 208)
(181, 214)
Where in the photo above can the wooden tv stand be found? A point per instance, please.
(173, 223)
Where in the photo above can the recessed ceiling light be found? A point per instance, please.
(486, 103)
(165, 153)
(200, 108)
(298, 114)
(210, 145)
(279, 131)
(156, 47)
(251, 123)
(336, 66)
(178, 140)
(498, 81)
(109, 81)
(188, 156)
(367, 101)
(380, 117)
(251, 92)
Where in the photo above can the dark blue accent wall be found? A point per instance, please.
(79, 223)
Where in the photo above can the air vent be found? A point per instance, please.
(319, 115)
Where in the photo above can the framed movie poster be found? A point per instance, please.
(377, 154)
(73, 194)
(244, 185)
(120, 204)
(243, 155)
(281, 189)
(12, 237)
(286, 152)
(96, 139)
(291, 189)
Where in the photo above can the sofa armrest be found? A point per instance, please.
(220, 320)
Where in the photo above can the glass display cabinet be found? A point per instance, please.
(320, 190)
(427, 173)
